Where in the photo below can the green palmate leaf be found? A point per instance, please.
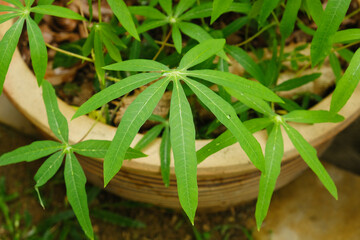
(135, 116)
(165, 150)
(335, 66)
(137, 65)
(227, 138)
(16, 3)
(234, 26)
(346, 36)
(219, 7)
(47, 171)
(267, 7)
(89, 43)
(38, 51)
(167, 6)
(347, 84)
(308, 153)
(316, 10)
(7, 17)
(75, 190)
(7, 48)
(57, 12)
(233, 81)
(201, 11)
(99, 57)
(148, 25)
(177, 38)
(123, 15)
(150, 136)
(116, 90)
(289, 17)
(156, 118)
(48, 168)
(201, 52)
(247, 62)
(240, 7)
(315, 116)
(226, 114)
(57, 122)
(109, 32)
(28, 3)
(296, 82)
(183, 6)
(182, 137)
(332, 17)
(30, 152)
(274, 152)
(146, 11)
(98, 149)
(346, 54)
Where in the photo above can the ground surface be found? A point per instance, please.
(301, 210)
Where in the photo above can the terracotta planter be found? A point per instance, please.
(225, 178)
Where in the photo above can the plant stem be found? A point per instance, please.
(352, 13)
(256, 35)
(69, 53)
(163, 45)
(113, 79)
(345, 46)
(166, 44)
(99, 11)
(94, 124)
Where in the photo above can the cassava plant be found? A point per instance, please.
(189, 68)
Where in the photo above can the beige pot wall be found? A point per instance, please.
(225, 178)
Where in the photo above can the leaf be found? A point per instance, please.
(246, 62)
(296, 82)
(234, 26)
(199, 34)
(289, 18)
(98, 149)
(135, 116)
(346, 54)
(114, 91)
(7, 17)
(226, 114)
(122, 13)
(57, 122)
(267, 7)
(150, 136)
(316, 10)
(89, 43)
(148, 25)
(7, 48)
(99, 57)
(38, 17)
(48, 169)
(183, 6)
(38, 51)
(165, 149)
(166, 5)
(57, 12)
(227, 138)
(137, 65)
(233, 81)
(116, 219)
(5, 8)
(313, 116)
(177, 38)
(347, 84)
(201, 11)
(75, 191)
(113, 51)
(201, 52)
(219, 7)
(322, 42)
(347, 36)
(335, 66)
(308, 153)
(274, 152)
(16, 3)
(182, 137)
(30, 152)
(146, 11)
